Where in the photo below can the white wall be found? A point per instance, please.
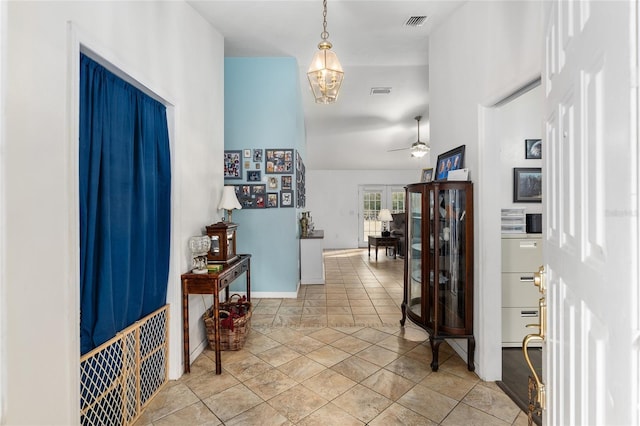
(483, 52)
(172, 51)
(332, 199)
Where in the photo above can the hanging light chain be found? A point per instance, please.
(324, 35)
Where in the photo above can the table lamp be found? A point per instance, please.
(385, 217)
(229, 201)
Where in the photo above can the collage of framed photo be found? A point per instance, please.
(287, 190)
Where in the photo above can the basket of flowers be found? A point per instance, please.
(235, 323)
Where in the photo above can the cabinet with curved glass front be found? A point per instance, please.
(438, 277)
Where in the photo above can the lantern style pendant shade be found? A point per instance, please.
(325, 72)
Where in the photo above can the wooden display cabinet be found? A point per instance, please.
(438, 275)
(223, 242)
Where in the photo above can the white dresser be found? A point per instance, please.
(521, 257)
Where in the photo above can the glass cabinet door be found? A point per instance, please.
(451, 258)
(414, 253)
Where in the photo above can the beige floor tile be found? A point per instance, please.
(194, 414)
(367, 320)
(231, 402)
(410, 368)
(338, 310)
(448, 384)
(361, 303)
(492, 402)
(397, 344)
(292, 303)
(301, 368)
(315, 303)
(328, 355)
(208, 384)
(278, 355)
(429, 403)
(287, 320)
(285, 335)
(329, 384)
(313, 321)
(262, 320)
(327, 335)
(363, 310)
(397, 415)
(455, 365)
(270, 384)
(363, 403)
(378, 355)
(351, 344)
(330, 414)
(304, 344)
(247, 368)
(337, 303)
(339, 320)
(466, 415)
(320, 310)
(168, 401)
(257, 342)
(262, 414)
(389, 384)
(266, 310)
(371, 335)
(297, 403)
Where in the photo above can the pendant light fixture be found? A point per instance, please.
(419, 149)
(325, 72)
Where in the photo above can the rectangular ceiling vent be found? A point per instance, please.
(380, 90)
(416, 21)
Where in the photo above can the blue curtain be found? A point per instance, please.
(125, 191)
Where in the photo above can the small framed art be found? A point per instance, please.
(286, 182)
(533, 149)
(450, 160)
(272, 200)
(247, 153)
(527, 185)
(233, 164)
(286, 198)
(254, 175)
(426, 175)
(272, 182)
(257, 155)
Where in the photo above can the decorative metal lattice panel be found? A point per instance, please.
(120, 377)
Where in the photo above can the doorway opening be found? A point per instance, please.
(373, 198)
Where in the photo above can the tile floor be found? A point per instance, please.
(336, 355)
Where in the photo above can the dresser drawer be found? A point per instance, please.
(514, 324)
(518, 290)
(521, 254)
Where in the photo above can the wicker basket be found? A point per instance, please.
(232, 336)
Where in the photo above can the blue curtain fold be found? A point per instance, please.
(125, 204)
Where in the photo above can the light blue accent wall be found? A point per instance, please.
(263, 109)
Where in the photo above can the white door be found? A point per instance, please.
(372, 199)
(591, 363)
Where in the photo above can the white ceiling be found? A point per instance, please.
(375, 48)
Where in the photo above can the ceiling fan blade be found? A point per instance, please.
(398, 149)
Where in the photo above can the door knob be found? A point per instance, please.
(539, 280)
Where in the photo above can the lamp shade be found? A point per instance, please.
(419, 149)
(229, 201)
(385, 215)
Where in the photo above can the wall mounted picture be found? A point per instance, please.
(286, 198)
(247, 153)
(300, 182)
(279, 161)
(426, 175)
(254, 175)
(247, 164)
(286, 182)
(272, 182)
(533, 149)
(450, 160)
(257, 166)
(272, 200)
(251, 196)
(257, 155)
(527, 185)
(232, 165)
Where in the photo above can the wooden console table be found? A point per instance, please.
(379, 241)
(211, 283)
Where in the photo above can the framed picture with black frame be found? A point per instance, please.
(252, 196)
(279, 161)
(272, 200)
(286, 199)
(450, 160)
(427, 175)
(233, 164)
(527, 185)
(533, 149)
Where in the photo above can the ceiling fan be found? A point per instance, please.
(418, 148)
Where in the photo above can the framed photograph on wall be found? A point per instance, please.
(233, 164)
(251, 196)
(287, 181)
(450, 160)
(426, 175)
(272, 182)
(254, 175)
(272, 200)
(527, 185)
(533, 149)
(286, 199)
(279, 161)
(257, 155)
(247, 153)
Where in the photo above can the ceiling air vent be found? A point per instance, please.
(416, 21)
(380, 90)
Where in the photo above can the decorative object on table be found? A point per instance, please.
(427, 175)
(533, 149)
(199, 247)
(235, 323)
(233, 165)
(279, 161)
(286, 198)
(450, 160)
(223, 242)
(304, 224)
(325, 72)
(257, 155)
(385, 217)
(229, 201)
(527, 185)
